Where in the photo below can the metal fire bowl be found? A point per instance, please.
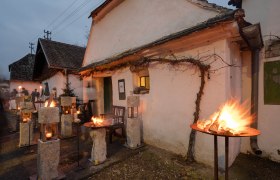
(249, 132)
(93, 126)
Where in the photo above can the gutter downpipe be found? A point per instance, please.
(252, 36)
(255, 98)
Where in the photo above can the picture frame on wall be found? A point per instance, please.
(121, 87)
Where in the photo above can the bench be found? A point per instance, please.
(117, 114)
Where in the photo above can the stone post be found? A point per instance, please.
(99, 149)
(48, 159)
(66, 125)
(49, 150)
(133, 133)
(26, 128)
(25, 137)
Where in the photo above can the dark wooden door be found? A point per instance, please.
(108, 95)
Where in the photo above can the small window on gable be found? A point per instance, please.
(141, 81)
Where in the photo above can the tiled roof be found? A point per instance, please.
(61, 55)
(52, 57)
(22, 69)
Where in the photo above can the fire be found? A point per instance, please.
(97, 121)
(52, 104)
(232, 118)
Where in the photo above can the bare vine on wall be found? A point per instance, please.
(203, 64)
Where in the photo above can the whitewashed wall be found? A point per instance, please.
(167, 111)
(59, 80)
(29, 85)
(145, 21)
(267, 13)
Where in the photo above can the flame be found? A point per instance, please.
(97, 121)
(232, 118)
(52, 104)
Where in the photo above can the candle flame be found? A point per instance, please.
(48, 135)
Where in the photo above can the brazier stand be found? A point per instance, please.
(248, 133)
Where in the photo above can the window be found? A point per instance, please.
(141, 81)
(272, 82)
(145, 82)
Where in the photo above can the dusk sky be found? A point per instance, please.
(24, 21)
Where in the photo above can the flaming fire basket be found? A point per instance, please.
(232, 120)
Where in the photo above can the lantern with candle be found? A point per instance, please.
(25, 130)
(19, 100)
(132, 106)
(25, 116)
(26, 109)
(66, 104)
(67, 116)
(73, 99)
(48, 119)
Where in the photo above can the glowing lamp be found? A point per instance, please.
(48, 135)
(132, 112)
(66, 104)
(48, 119)
(132, 106)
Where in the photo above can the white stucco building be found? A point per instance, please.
(124, 33)
(267, 13)
(56, 64)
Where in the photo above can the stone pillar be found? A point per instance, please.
(99, 148)
(133, 133)
(48, 159)
(25, 137)
(66, 125)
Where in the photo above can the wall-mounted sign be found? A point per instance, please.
(121, 85)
